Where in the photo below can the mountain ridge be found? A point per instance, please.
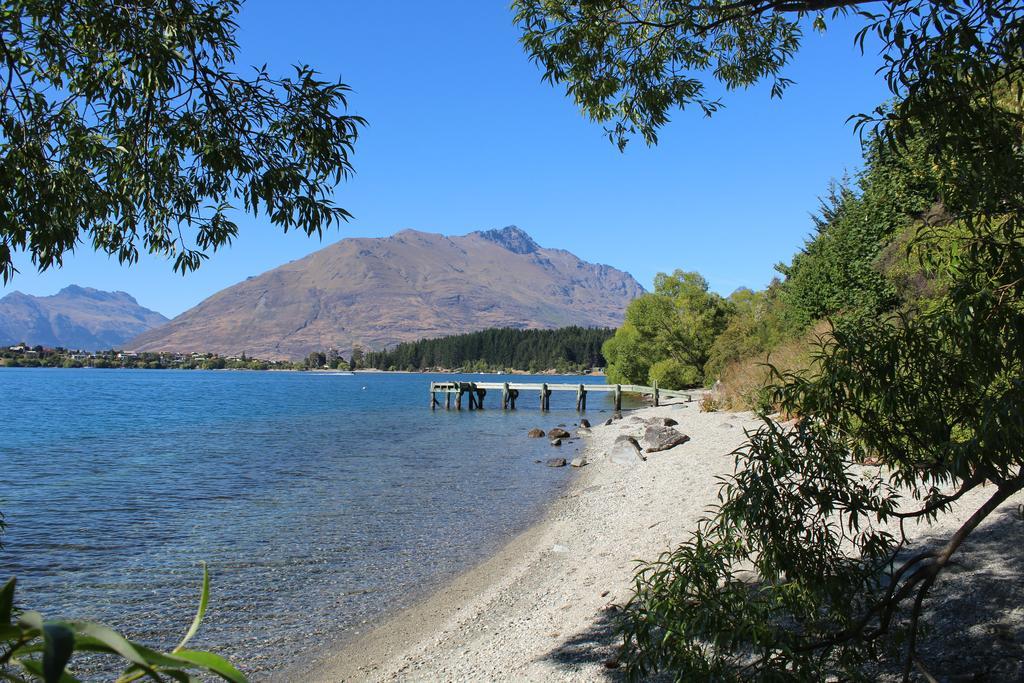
(377, 292)
(76, 317)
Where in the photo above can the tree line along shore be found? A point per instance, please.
(568, 350)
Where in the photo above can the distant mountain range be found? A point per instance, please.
(376, 292)
(75, 318)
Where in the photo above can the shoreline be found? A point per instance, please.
(538, 608)
(541, 607)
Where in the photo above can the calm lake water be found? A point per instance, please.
(319, 501)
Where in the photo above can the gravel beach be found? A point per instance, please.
(539, 610)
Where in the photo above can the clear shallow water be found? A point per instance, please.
(318, 505)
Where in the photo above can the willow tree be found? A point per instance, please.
(667, 334)
(930, 396)
(126, 126)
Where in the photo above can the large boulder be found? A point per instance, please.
(555, 462)
(536, 433)
(661, 438)
(578, 462)
(626, 451)
(558, 433)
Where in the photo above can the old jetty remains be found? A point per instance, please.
(475, 392)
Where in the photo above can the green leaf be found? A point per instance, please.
(35, 668)
(32, 620)
(59, 643)
(7, 600)
(115, 641)
(213, 663)
(204, 599)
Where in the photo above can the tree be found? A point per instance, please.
(356, 360)
(667, 335)
(628, 63)
(931, 393)
(123, 125)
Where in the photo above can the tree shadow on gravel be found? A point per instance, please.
(974, 615)
(598, 645)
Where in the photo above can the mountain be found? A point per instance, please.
(75, 318)
(376, 292)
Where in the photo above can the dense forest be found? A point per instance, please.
(569, 349)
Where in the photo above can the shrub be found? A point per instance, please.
(671, 374)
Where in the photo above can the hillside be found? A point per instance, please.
(75, 318)
(377, 292)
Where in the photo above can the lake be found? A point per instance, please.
(319, 501)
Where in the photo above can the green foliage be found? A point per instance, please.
(564, 349)
(124, 126)
(759, 322)
(34, 649)
(802, 572)
(678, 322)
(933, 396)
(671, 374)
(630, 63)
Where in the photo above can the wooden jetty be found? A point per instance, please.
(477, 391)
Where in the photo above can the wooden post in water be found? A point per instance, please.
(480, 393)
(504, 396)
(471, 390)
(433, 398)
(447, 400)
(656, 403)
(618, 398)
(545, 397)
(513, 394)
(581, 399)
(458, 397)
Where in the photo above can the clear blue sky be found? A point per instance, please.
(464, 136)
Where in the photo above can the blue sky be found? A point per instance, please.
(464, 136)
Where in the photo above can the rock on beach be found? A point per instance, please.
(661, 438)
(626, 451)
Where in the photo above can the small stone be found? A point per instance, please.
(536, 433)
(558, 433)
(725, 425)
(585, 423)
(669, 422)
(555, 462)
(578, 462)
(607, 422)
(556, 442)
